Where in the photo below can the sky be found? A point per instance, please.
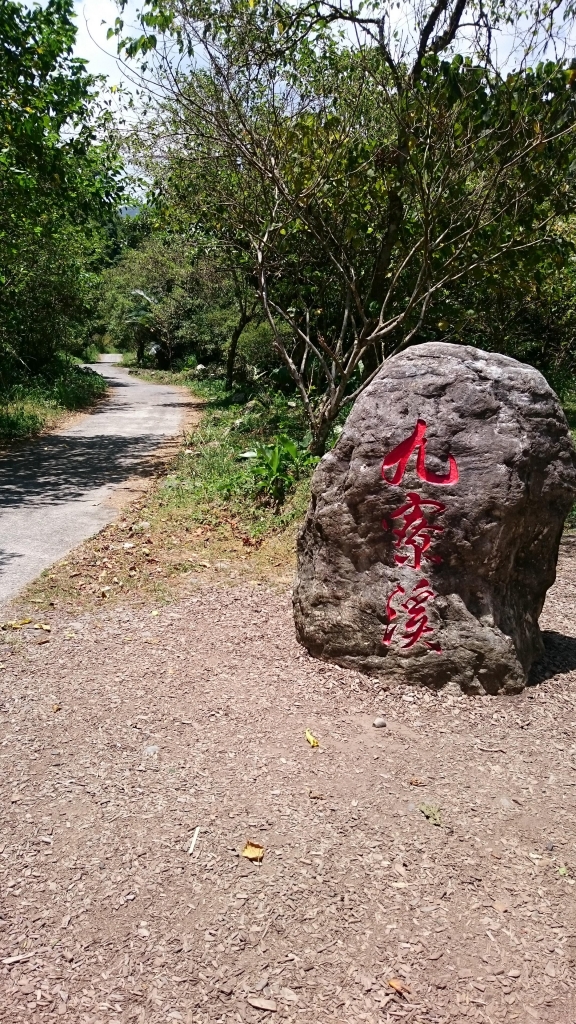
(91, 42)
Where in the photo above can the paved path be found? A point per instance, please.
(56, 491)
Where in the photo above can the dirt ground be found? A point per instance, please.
(437, 853)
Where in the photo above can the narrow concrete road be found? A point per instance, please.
(58, 490)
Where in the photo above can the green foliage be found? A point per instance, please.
(169, 302)
(32, 402)
(59, 186)
(211, 482)
(277, 467)
(48, 304)
(47, 116)
(528, 311)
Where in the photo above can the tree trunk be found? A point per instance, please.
(317, 445)
(231, 357)
(140, 343)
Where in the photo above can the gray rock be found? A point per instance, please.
(379, 723)
(433, 529)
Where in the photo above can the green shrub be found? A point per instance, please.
(277, 467)
(28, 404)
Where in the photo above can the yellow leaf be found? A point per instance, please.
(41, 625)
(253, 851)
(399, 987)
(311, 739)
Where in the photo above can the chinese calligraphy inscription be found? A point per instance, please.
(417, 525)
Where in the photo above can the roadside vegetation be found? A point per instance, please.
(29, 406)
(246, 464)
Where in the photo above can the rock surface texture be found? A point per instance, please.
(433, 529)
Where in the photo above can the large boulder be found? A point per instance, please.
(433, 530)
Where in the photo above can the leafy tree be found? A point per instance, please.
(527, 312)
(170, 296)
(218, 233)
(366, 171)
(60, 180)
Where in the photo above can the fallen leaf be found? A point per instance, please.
(431, 812)
(311, 739)
(42, 625)
(253, 851)
(261, 1004)
(56, 707)
(399, 987)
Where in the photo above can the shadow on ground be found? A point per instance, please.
(61, 469)
(559, 657)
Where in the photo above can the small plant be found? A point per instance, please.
(277, 466)
(432, 812)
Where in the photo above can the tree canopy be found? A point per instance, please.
(360, 169)
(60, 181)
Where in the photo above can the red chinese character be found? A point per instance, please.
(399, 457)
(416, 530)
(417, 624)
(417, 627)
(391, 614)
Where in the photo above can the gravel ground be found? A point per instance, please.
(437, 853)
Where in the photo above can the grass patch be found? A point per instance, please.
(209, 483)
(28, 406)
